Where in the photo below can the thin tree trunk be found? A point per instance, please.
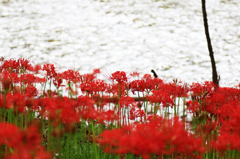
(214, 70)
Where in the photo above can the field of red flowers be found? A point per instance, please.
(45, 113)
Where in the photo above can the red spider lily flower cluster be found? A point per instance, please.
(138, 85)
(161, 97)
(226, 142)
(93, 87)
(17, 66)
(50, 69)
(71, 76)
(214, 125)
(158, 137)
(119, 76)
(127, 102)
(22, 143)
(221, 105)
(67, 111)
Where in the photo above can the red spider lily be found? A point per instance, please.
(71, 76)
(119, 76)
(212, 103)
(101, 100)
(69, 116)
(154, 118)
(229, 93)
(201, 101)
(50, 70)
(87, 77)
(147, 77)
(59, 110)
(7, 132)
(96, 71)
(221, 97)
(226, 112)
(58, 80)
(136, 112)
(7, 84)
(174, 89)
(10, 65)
(31, 91)
(138, 85)
(85, 108)
(205, 130)
(193, 106)
(6, 75)
(8, 79)
(127, 102)
(198, 89)
(16, 101)
(153, 84)
(114, 89)
(153, 138)
(70, 111)
(229, 116)
(85, 101)
(25, 144)
(16, 66)
(227, 142)
(29, 79)
(107, 116)
(50, 94)
(109, 89)
(101, 117)
(36, 69)
(24, 64)
(93, 87)
(32, 104)
(157, 136)
(161, 97)
(134, 74)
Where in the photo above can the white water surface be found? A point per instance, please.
(129, 35)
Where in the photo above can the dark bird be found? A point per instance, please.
(154, 73)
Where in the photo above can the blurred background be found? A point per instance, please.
(125, 35)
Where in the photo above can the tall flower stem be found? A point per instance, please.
(95, 146)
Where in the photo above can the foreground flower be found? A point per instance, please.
(158, 137)
(21, 144)
(227, 142)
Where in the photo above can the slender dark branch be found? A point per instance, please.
(214, 70)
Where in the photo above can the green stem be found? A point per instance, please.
(184, 99)
(94, 145)
(178, 106)
(49, 136)
(45, 86)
